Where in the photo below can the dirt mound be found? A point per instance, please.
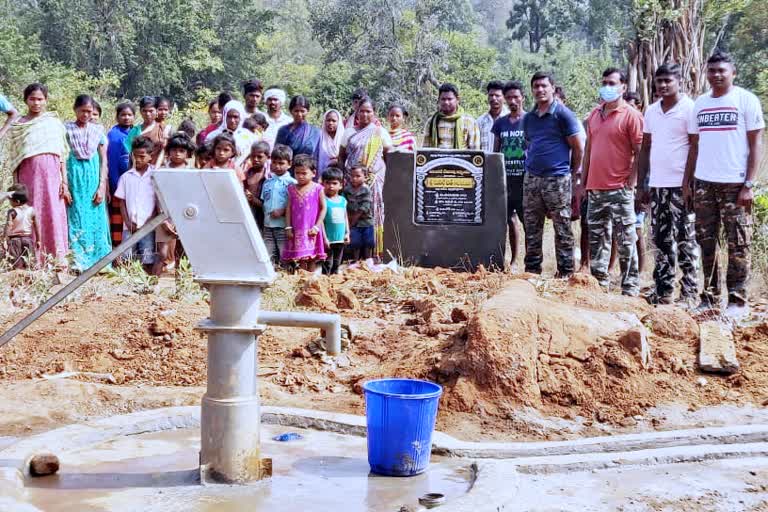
(520, 349)
(672, 322)
(317, 293)
(320, 293)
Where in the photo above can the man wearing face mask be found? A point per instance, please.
(614, 135)
(496, 109)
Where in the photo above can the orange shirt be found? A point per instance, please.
(612, 140)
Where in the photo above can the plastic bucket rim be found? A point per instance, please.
(434, 394)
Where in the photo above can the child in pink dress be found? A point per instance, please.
(305, 213)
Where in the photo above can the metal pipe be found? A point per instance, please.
(330, 323)
(230, 442)
(82, 278)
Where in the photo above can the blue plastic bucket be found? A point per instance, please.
(401, 415)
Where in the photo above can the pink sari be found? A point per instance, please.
(42, 176)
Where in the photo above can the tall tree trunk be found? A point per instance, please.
(670, 31)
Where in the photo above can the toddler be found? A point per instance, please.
(360, 212)
(336, 223)
(21, 229)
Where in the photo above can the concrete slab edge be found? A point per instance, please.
(673, 455)
(101, 430)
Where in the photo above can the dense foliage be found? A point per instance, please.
(401, 50)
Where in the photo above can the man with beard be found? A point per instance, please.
(450, 127)
(510, 141)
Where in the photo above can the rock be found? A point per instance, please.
(346, 299)
(162, 326)
(717, 352)
(43, 464)
(701, 381)
(434, 287)
(583, 281)
(635, 341)
(301, 352)
(316, 294)
(459, 315)
(672, 322)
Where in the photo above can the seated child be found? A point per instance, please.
(137, 201)
(336, 223)
(360, 211)
(21, 229)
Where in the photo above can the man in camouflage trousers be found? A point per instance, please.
(553, 155)
(725, 132)
(663, 156)
(614, 134)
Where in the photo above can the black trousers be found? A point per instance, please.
(333, 260)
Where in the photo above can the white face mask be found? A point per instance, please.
(610, 93)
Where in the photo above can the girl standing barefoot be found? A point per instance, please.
(305, 214)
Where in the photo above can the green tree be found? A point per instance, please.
(535, 21)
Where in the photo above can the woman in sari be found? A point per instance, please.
(366, 144)
(299, 135)
(149, 128)
(327, 149)
(37, 147)
(87, 177)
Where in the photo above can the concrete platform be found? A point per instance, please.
(323, 471)
(150, 458)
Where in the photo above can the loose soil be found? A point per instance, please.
(498, 343)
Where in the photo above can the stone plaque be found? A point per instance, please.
(448, 189)
(445, 208)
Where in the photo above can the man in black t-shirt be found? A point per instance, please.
(510, 141)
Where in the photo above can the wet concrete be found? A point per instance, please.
(323, 471)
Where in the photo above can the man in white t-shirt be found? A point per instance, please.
(663, 155)
(726, 130)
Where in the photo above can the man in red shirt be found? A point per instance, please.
(614, 135)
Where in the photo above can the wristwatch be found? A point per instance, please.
(749, 184)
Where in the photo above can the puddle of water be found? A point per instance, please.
(322, 471)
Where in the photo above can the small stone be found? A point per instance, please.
(701, 381)
(717, 351)
(459, 315)
(635, 341)
(346, 299)
(301, 353)
(44, 464)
